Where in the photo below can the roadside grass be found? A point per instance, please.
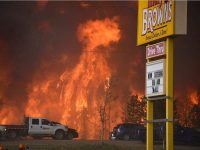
(79, 145)
(70, 147)
(74, 147)
(90, 145)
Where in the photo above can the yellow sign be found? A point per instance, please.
(155, 20)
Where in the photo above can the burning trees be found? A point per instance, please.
(195, 110)
(188, 109)
(78, 91)
(135, 110)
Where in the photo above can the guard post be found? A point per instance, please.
(159, 21)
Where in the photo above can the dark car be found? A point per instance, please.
(182, 134)
(126, 131)
(71, 133)
(186, 135)
(158, 133)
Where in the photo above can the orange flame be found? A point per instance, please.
(75, 99)
(194, 98)
(8, 110)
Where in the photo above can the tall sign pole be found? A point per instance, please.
(149, 125)
(159, 21)
(169, 93)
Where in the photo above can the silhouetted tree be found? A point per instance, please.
(135, 109)
(105, 106)
(184, 112)
(176, 115)
(195, 115)
(195, 112)
(188, 111)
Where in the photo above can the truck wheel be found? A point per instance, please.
(69, 136)
(12, 135)
(59, 135)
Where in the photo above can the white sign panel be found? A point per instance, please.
(155, 78)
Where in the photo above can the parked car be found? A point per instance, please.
(182, 134)
(158, 133)
(126, 131)
(186, 135)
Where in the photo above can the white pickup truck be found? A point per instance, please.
(35, 127)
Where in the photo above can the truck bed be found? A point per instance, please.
(16, 127)
(13, 131)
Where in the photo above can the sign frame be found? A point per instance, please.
(160, 19)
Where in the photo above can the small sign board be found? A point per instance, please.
(155, 50)
(155, 78)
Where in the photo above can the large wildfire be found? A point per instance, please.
(75, 97)
(70, 91)
(68, 70)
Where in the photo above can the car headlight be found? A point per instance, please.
(3, 129)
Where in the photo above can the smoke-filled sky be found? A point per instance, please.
(41, 45)
(186, 52)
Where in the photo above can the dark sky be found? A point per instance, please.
(186, 51)
(31, 33)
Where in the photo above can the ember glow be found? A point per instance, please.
(77, 94)
(194, 98)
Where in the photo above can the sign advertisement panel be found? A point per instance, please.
(155, 78)
(155, 20)
(155, 50)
